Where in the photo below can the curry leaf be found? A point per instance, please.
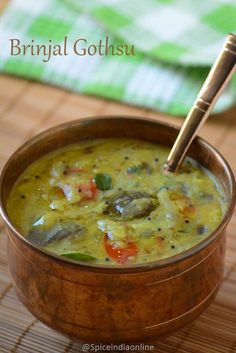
(103, 181)
(79, 257)
(134, 169)
(138, 168)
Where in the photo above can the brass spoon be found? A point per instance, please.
(217, 79)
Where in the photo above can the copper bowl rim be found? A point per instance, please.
(125, 268)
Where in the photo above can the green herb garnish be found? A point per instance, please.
(79, 257)
(103, 181)
(138, 168)
(135, 169)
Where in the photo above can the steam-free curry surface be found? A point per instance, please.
(107, 201)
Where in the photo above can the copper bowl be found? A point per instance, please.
(97, 303)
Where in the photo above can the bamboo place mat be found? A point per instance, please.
(27, 108)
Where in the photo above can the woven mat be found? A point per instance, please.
(27, 108)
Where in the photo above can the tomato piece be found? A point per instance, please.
(120, 255)
(93, 187)
(88, 191)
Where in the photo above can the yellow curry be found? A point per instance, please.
(107, 201)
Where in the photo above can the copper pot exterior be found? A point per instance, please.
(100, 304)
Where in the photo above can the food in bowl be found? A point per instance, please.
(90, 301)
(108, 201)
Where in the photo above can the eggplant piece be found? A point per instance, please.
(206, 197)
(202, 229)
(57, 232)
(127, 205)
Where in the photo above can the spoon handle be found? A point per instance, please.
(217, 79)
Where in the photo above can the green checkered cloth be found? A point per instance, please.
(167, 85)
(185, 32)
